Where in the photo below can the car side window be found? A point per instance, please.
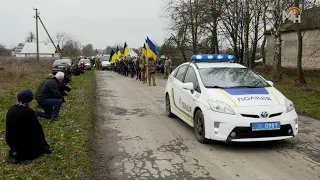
(192, 77)
(181, 72)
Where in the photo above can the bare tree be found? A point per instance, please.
(301, 79)
(276, 13)
(233, 26)
(87, 50)
(265, 4)
(31, 37)
(71, 48)
(210, 15)
(247, 20)
(256, 17)
(62, 38)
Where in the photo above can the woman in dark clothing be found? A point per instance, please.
(24, 133)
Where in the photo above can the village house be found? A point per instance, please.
(310, 30)
(46, 50)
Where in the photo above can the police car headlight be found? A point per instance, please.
(289, 105)
(221, 107)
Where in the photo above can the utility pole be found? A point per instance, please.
(50, 38)
(37, 33)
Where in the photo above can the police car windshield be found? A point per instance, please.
(231, 78)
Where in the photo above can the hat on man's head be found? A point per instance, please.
(25, 96)
(59, 75)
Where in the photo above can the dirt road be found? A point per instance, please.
(135, 140)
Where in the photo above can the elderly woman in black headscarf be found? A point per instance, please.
(24, 133)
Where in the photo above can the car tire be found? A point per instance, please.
(199, 127)
(168, 107)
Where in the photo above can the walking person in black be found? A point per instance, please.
(125, 67)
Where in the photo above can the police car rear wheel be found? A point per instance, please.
(168, 107)
(199, 127)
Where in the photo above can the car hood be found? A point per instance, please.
(243, 97)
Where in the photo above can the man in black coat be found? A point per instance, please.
(24, 133)
(63, 86)
(50, 97)
(42, 84)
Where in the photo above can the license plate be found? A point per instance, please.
(264, 126)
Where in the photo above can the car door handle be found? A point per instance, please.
(193, 99)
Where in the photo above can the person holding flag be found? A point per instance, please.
(152, 53)
(126, 63)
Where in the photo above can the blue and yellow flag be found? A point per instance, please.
(113, 57)
(118, 52)
(151, 49)
(125, 49)
(111, 54)
(144, 50)
(147, 49)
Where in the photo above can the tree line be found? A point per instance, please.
(230, 26)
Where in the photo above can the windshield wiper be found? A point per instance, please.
(214, 87)
(247, 87)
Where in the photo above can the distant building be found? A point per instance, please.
(310, 30)
(46, 50)
(18, 49)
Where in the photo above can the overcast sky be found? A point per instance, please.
(99, 22)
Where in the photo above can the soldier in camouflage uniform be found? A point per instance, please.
(143, 68)
(151, 71)
(98, 63)
(167, 65)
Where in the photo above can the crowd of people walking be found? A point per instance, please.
(144, 68)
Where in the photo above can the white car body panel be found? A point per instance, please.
(105, 64)
(184, 103)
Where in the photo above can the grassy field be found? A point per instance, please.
(68, 137)
(306, 99)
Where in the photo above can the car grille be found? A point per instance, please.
(257, 116)
(246, 132)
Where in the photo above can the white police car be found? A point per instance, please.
(228, 102)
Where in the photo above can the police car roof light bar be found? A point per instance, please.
(212, 57)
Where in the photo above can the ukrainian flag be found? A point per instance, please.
(118, 52)
(113, 57)
(125, 49)
(151, 49)
(144, 50)
(147, 49)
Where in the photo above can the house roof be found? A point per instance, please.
(309, 21)
(44, 48)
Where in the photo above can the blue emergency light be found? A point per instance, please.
(213, 57)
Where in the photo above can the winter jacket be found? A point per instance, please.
(50, 90)
(24, 133)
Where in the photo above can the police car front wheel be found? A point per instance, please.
(199, 127)
(168, 107)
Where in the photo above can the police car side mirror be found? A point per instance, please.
(270, 82)
(188, 86)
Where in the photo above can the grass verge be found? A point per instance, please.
(68, 137)
(306, 99)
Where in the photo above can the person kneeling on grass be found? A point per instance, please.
(42, 83)
(50, 98)
(24, 133)
(63, 86)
